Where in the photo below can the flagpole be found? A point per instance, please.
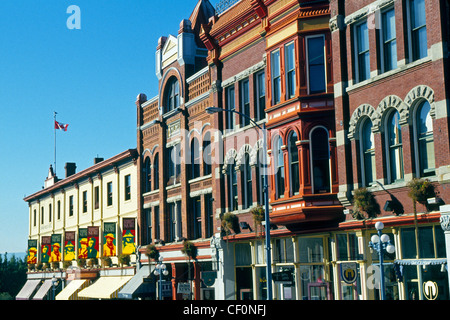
(54, 129)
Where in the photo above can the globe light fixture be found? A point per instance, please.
(381, 243)
(160, 270)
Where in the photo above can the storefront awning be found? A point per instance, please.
(28, 289)
(420, 262)
(43, 290)
(70, 292)
(105, 287)
(137, 285)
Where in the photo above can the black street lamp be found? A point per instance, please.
(212, 110)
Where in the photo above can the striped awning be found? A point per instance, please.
(28, 289)
(70, 292)
(43, 290)
(105, 287)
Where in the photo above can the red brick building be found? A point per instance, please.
(391, 71)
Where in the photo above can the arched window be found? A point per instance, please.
(320, 160)
(147, 175)
(294, 176)
(394, 147)
(246, 176)
(367, 147)
(279, 168)
(172, 95)
(232, 187)
(207, 154)
(424, 140)
(195, 159)
(156, 172)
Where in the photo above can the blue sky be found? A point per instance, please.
(90, 76)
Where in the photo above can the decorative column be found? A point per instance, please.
(445, 224)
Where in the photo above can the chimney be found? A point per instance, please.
(70, 169)
(97, 160)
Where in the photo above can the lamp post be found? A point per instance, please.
(160, 270)
(382, 244)
(212, 110)
(54, 284)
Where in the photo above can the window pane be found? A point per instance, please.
(279, 168)
(320, 160)
(316, 64)
(426, 243)
(243, 254)
(389, 40)
(276, 80)
(418, 29)
(311, 250)
(290, 66)
(395, 146)
(363, 56)
(408, 243)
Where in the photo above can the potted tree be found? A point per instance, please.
(364, 203)
(190, 250)
(124, 260)
(107, 262)
(258, 217)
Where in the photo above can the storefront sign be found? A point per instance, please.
(284, 277)
(430, 290)
(208, 277)
(166, 288)
(184, 287)
(349, 272)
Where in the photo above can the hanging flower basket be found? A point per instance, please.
(151, 252)
(420, 190)
(258, 215)
(364, 204)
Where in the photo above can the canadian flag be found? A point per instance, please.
(61, 126)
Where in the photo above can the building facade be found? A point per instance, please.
(79, 222)
(390, 65)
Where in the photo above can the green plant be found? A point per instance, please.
(55, 265)
(81, 262)
(189, 249)
(124, 259)
(364, 202)
(258, 215)
(420, 190)
(151, 252)
(67, 264)
(230, 223)
(106, 261)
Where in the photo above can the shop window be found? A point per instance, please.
(316, 64)
(172, 94)
(388, 41)
(394, 146)
(311, 250)
(431, 243)
(424, 140)
(283, 250)
(320, 160)
(362, 55)
(347, 247)
(367, 158)
(294, 174)
(417, 29)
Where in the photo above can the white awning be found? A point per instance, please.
(105, 287)
(40, 294)
(28, 289)
(70, 292)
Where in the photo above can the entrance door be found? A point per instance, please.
(319, 291)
